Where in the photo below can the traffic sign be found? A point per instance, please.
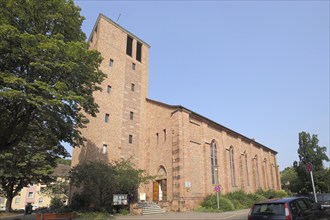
(217, 188)
(309, 167)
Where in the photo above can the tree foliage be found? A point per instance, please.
(310, 152)
(289, 178)
(47, 77)
(47, 73)
(98, 181)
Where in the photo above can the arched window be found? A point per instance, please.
(214, 162)
(232, 166)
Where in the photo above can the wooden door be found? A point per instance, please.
(155, 196)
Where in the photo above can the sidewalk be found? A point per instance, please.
(17, 216)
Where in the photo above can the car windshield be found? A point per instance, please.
(269, 209)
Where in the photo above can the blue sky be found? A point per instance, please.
(260, 68)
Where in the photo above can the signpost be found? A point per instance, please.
(217, 188)
(309, 168)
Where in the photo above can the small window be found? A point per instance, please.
(138, 51)
(108, 89)
(130, 138)
(129, 45)
(111, 62)
(17, 200)
(164, 134)
(157, 135)
(104, 149)
(106, 118)
(132, 87)
(40, 200)
(131, 115)
(133, 66)
(30, 195)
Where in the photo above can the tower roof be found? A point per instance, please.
(118, 26)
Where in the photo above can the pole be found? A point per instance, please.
(216, 169)
(313, 186)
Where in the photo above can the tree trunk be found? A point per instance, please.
(8, 204)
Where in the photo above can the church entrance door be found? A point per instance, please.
(160, 190)
(155, 191)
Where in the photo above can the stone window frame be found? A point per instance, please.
(214, 162)
(232, 166)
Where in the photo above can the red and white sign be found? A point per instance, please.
(217, 188)
(309, 167)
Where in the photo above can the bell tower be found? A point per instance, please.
(118, 129)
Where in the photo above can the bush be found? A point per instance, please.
(240, 199)
(270, 194)
(210, 202)
(55, 203)
(256, 197)
(79, 201)
(94, 215)
(226, 204)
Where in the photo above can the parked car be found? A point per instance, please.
(293, 208)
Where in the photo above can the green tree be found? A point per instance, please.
(310, 152)
(98, 180)
(288, 178)
(47, 77)
(24, 165)
(47, 73)
(64, 161)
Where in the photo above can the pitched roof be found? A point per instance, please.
(232, 132)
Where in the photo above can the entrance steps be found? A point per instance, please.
(150, 208)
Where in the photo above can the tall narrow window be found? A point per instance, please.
(157, 136)
(129, 45)
(138, 51)
(132, 87)
(214, 162)
(232, 166)
(131, 115)
(106, 118)
(104, 149)
(164, 135)
(130, 138)
(264, 168)
(109, 89)
(111, 62)
(247, 170)
(256, 172)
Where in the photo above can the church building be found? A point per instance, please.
(189, 153)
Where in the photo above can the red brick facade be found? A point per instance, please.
(189, 153)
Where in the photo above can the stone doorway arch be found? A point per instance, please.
(160, 185)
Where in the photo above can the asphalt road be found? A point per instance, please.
(234, 215)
